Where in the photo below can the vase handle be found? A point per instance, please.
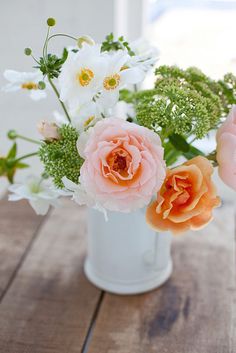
(158, 257)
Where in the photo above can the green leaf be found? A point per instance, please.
(193, 152)
(10, 175)
(179, 143)
(13, 151)
(20, 165)
(2, 166)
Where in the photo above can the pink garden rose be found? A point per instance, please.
(226, 149)
(123, 165)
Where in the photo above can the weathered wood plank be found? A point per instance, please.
(18, 226)
(192, 313)
(49, 307)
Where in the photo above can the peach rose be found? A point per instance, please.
(186, 198)
(123, 165)
(48, 130)
(226, 150)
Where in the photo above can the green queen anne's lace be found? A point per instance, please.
(184, 102)
(61, 158)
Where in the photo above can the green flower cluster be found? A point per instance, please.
(183, 102)
(61, 158)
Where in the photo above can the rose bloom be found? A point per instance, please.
(186, 198)
(48, 130)
(226, 150)
(123, 165)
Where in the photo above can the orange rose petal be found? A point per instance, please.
(186, 198)
(203, 164)
(156, 221)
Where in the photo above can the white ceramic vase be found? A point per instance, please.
(124, 255)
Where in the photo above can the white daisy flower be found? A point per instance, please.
(145, 56)
(118, 75)
(37, 191)
(80, 196)
(27, 81)
(82, 75)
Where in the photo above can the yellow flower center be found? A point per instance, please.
(88, 121)
(85, 76)
(29, 85)
(111, 82)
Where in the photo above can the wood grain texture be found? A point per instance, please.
(18, 226)
(50, 304)
(192, 313)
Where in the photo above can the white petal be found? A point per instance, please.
(59, 118)
(10, 87)
(36, 95)
(41, 207)
(70, 185)
(109, 98)
(14, 197)
(132, 76)
(82, 141)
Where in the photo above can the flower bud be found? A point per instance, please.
(12, 135)
(51, 22)
(41, 85)
(85, 39)
(49, 131)
(28, 51)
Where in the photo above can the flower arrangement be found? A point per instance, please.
(109, 162)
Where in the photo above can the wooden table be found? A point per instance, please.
(48, 306)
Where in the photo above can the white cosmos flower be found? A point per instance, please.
(82, 75)
(37, 191)
(27, 81)
(80, 196)
(146, 55)
(118, 75)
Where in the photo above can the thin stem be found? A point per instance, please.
(61, 35)
(35, 59)
(27, 156)
(45, 46)
(58, 96)
(28, 139)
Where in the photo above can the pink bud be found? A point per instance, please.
(48, 130)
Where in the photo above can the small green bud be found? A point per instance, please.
(51, 22)
(28, 51)
(12, 135)
(41, 85)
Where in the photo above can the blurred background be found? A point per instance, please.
(188, 33)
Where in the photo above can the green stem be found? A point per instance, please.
(27, 156)
(28, 139)
(61, 35)
(58, 96)
(45, 46)
(32, 56)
